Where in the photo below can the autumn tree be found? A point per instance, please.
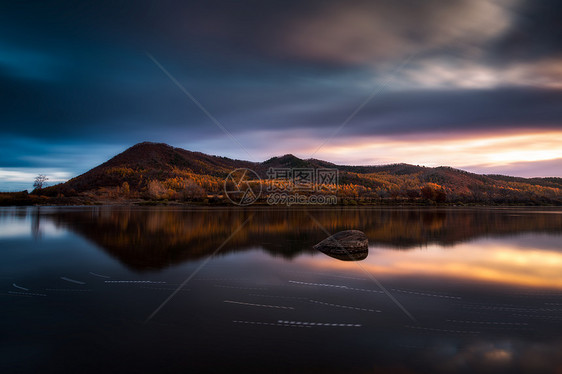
(125, 189)
(435, 192)
(192, 190)
(156, 190)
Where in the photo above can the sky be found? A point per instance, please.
(472, 84)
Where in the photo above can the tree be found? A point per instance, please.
(193, 191)
(156, 190)
(40, 181)
(435, 192)
(125, 189)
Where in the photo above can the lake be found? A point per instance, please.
(118, 289)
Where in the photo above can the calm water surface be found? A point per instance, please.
(100, 290)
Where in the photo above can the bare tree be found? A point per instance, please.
(40, 181)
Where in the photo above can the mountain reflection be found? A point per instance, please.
(145, 239)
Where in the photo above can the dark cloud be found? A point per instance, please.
(449, 111)
(536, 33)
(100, 112)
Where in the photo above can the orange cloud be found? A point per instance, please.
(459, 151)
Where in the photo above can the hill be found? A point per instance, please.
(151, 161)
(156, 171)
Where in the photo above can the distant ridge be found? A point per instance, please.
(169, 171)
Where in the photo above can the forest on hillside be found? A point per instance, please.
(159, 173)
(447, 186)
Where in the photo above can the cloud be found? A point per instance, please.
(439, 112)
(19, 179)
(460, 73)
(526, 153)
(22, 159)
(363, 32)
(529, 169)
(27, 175)
(536, 34)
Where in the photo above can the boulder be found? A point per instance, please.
(348, 245)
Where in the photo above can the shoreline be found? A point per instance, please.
(106, 204)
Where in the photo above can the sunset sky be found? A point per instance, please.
(473, 84)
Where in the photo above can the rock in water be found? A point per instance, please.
(348, 245)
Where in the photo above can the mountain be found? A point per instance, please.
(151, 161)
(156, 171)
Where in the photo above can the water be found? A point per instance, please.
(98, 290)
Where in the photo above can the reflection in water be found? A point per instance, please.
(149, 239)
(482, 260)
(484, 285)
(350, 256)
